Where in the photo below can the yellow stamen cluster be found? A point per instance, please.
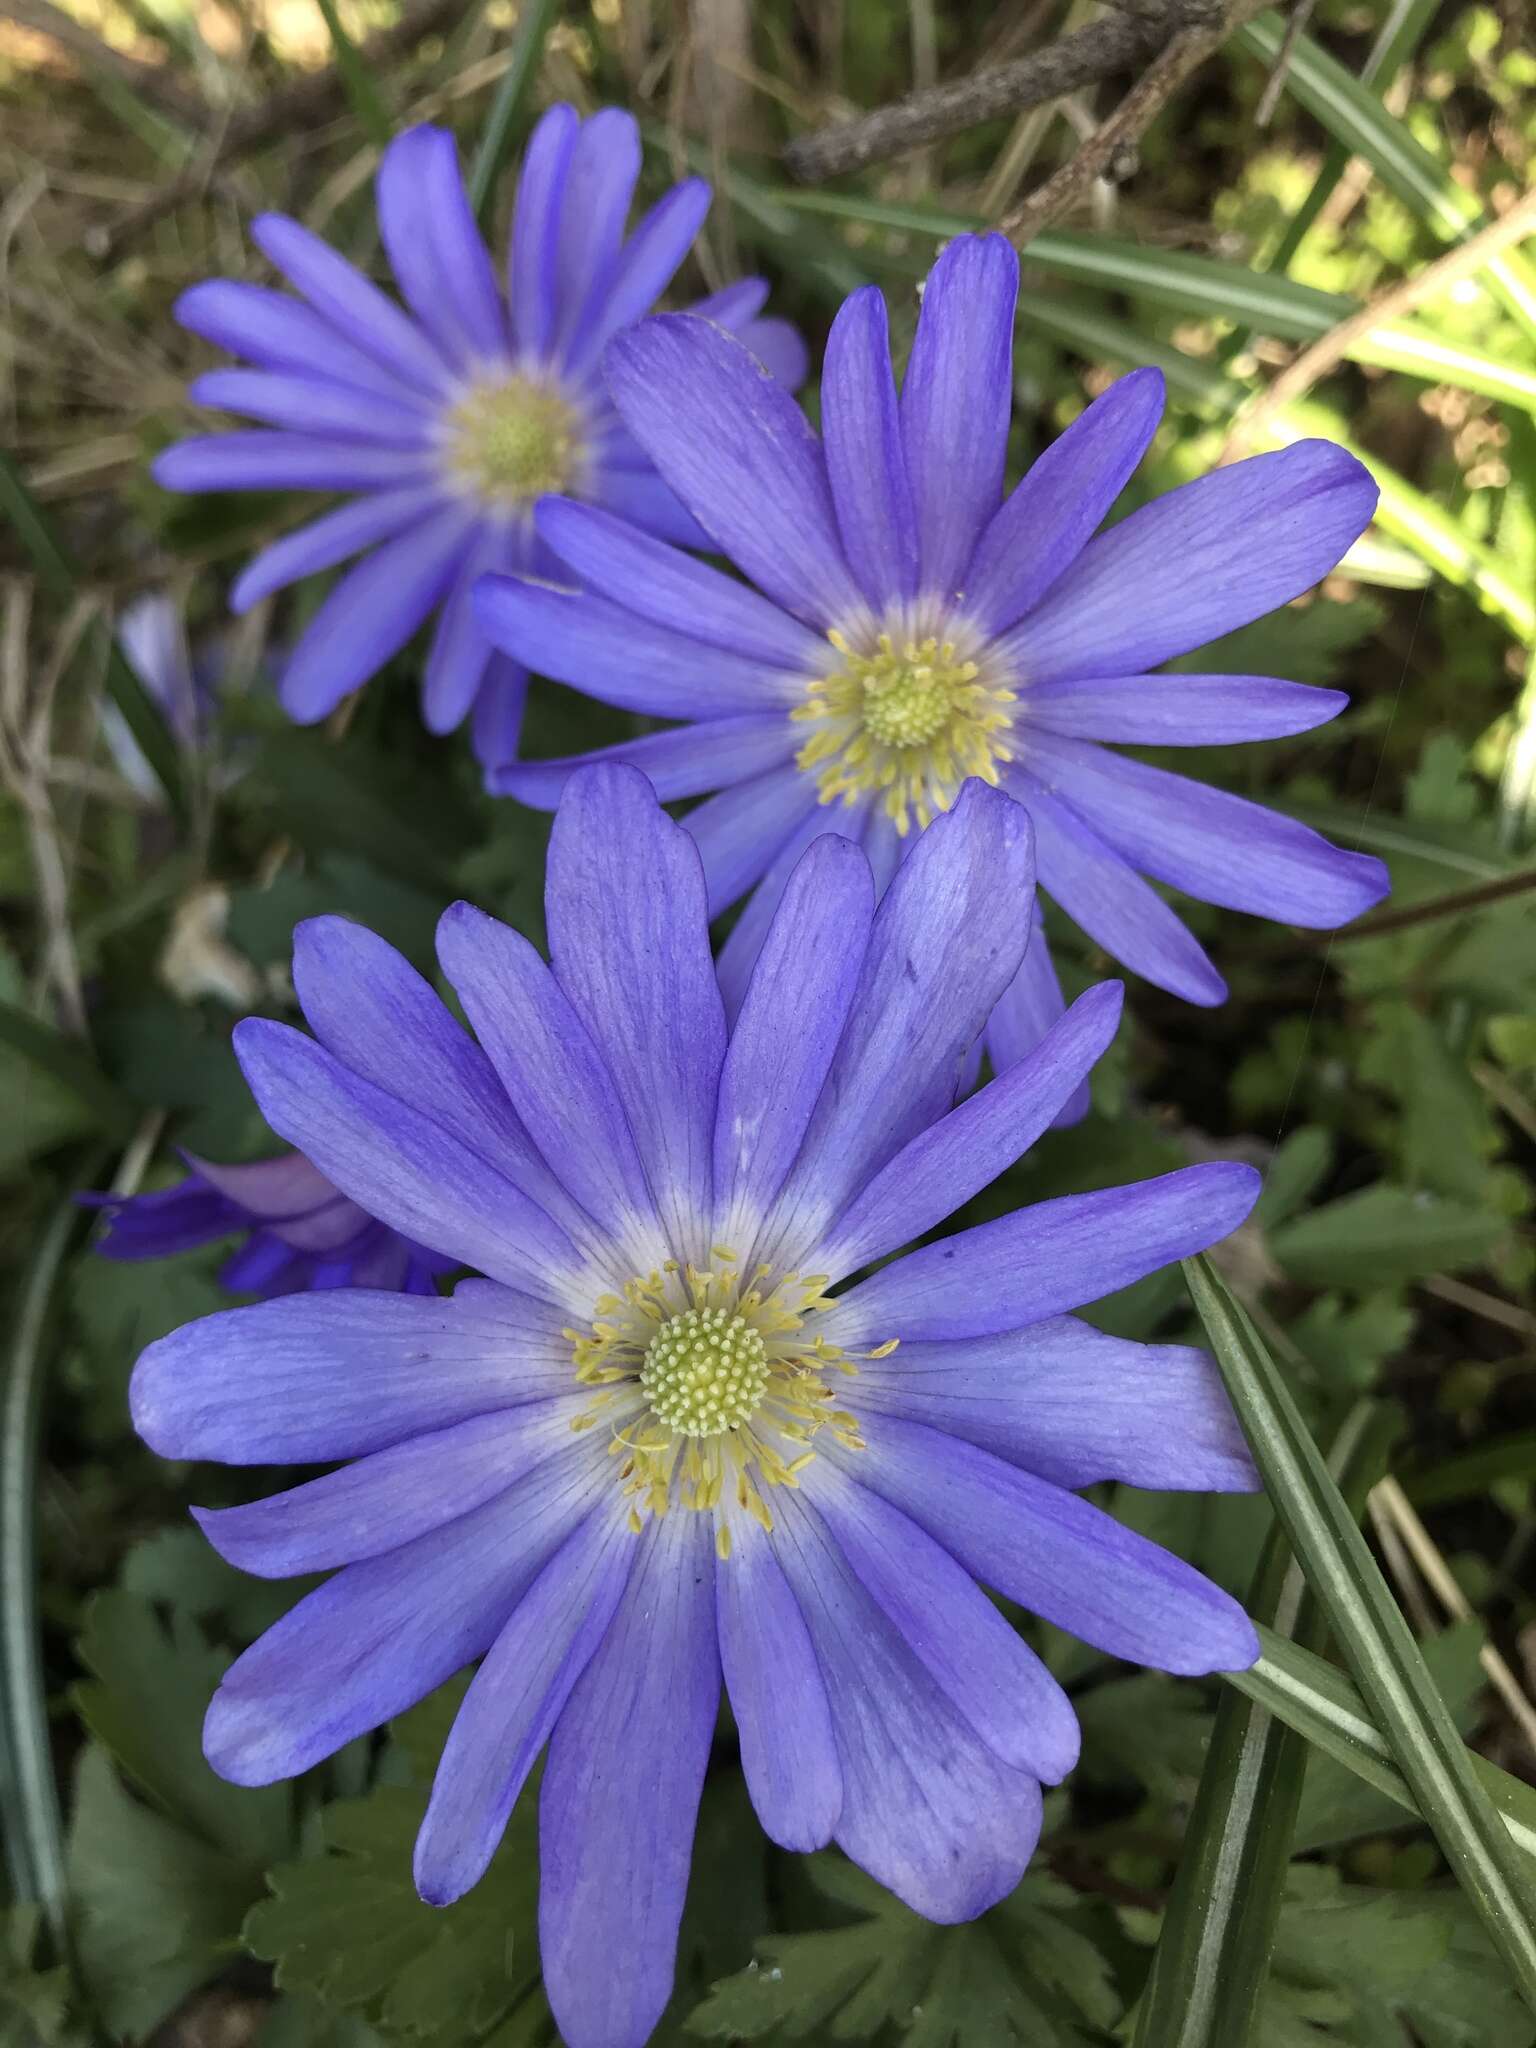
(711, 1386)
(909, 720)
(514, 441)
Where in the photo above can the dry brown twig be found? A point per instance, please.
(154, 81)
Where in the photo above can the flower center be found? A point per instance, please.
(705, 1371)
(907, 719)
(712, 1387)
(514, 441)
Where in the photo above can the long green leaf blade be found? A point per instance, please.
(501, 122)
(1376, 1641)
(357, 80)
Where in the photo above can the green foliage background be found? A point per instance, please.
(1386, 1083)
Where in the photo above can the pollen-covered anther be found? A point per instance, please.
(907, 719)
(514, 440)
(705, 1371)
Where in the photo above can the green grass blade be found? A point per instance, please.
(142, 715)
(1213, 1950)
(1359, 122)
(505, 116)
(1376, 1641)
(1320, 1703)
(29, 1794)
(69, 1063)
(357, 80)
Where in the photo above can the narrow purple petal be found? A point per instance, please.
(669, 588)
(808, 970)
(333, 538)
(955, 403)
(341, 294)
(514, 1701)
(1206, 558)
(1213, 845)
(383, 1634)
(1052, 1256)
(621, 1795)
(372, 612)
(736, 448)
(435, 248)
(313, 405)
(263, 460)
(380, 1502)
(1058, 1556)
(928, 1809)
(645, 501)
(629, 941)
(955, 1158)
(497, 722)
(1101, 892)
(621, 659)
(1178, 710)
(533, 258)
(1071, 1405)
(735, 831)
(947, 941)
(1061, 501)
(402, 1166)
(788, 1747)
(281, 333)
(313, 1377)
(687, 761)
(1026, 1011)
(866, 462)
(780, 347)
(460, 652)
(743, 829)
(599, 185)
(651, 258)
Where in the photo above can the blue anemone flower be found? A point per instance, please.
(444, 421)
(664, 1442)
(910, 627)
(300, 1232)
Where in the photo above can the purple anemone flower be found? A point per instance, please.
(910, 627)
(152, 632)
(663, 1443)
(444, 422)
(300, 1232)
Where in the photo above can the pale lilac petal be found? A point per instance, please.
(514, 1701)
(1062, 500)
(380, 1502)
(629, 941)
(402, 1166)
(670, 589)
(333, 538)
(372, 612)
(383, 1634)
(534, 255)
(715, 754)
(1052, 1256)
(866, 462)
(977, 1659)
(1213, 845)
(788, 1748)
(947, 941)
(955, 403)
(808, 970)
(736, 448)
(600, 182)
(341, 294)
(621, 659)
(928, 1809)
(651, 258)
(313, 1377)
(1101, 892)
(280, 333)
(265, 460)
(435, 248)
(621, 1795)
(1056, 1555)
(1178, 710)
(1206, 558)
(741, 831)
(940, 1169)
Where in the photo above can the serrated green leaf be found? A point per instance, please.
(1382, 1236)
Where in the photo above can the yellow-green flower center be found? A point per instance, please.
(514, 441)
(705, 1371)
(906, 719)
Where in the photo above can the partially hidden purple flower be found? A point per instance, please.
(300, 1232)
(910, 627)
(665, 1443)
(445, 420)
(152, 632)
